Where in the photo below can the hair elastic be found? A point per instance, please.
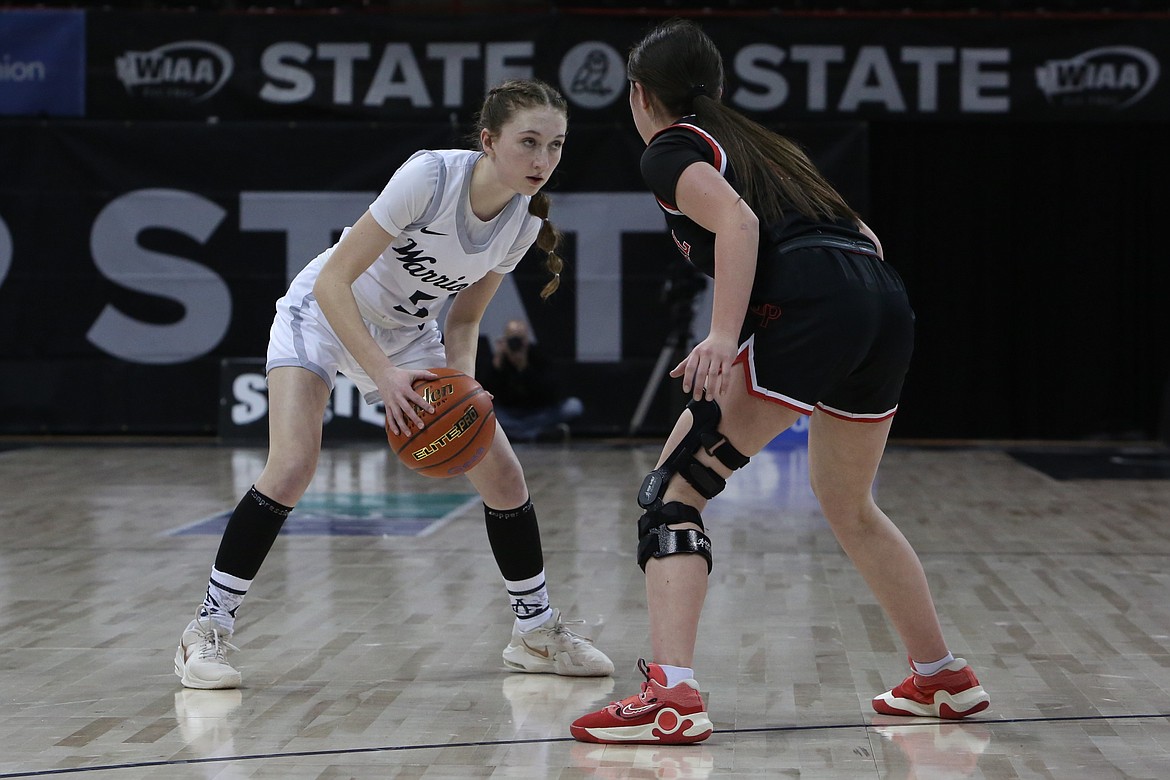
(698, 89)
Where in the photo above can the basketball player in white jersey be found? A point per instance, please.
(447, 222)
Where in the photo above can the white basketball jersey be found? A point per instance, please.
(440, 246)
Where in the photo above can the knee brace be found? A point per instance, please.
(704, 433)
(656, 540)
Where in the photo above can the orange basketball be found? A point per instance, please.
(457, 436)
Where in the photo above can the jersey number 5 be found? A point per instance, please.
(419, 297)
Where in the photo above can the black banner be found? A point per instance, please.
(1017, 165)
(408, 68)
(135, 257)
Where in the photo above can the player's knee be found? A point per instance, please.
(850, 514)
(703, 437)
(288, 474)
(657, 538)
(506, 487)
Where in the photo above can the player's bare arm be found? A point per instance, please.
(356, 252)
(707, 199)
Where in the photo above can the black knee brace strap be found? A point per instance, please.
(655, 540)
(703, 433)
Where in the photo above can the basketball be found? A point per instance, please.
(457, 436)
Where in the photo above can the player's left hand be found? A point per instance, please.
(401, 400)
(705, 370)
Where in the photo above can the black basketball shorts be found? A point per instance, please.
(833, 330)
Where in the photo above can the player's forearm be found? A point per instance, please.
(335, 297)
(461, 340)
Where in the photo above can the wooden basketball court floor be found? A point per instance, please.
(370, 644)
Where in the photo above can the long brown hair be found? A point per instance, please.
(681, 67)
(500, 105)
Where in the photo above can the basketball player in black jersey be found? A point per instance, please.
(807, 319)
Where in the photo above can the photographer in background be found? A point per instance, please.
(526, 395)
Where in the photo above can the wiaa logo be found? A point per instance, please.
(1112, 77)
(190, 71)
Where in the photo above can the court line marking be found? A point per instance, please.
(910, 723)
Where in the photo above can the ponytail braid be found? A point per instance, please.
(547, 239)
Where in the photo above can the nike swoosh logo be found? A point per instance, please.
(431, 232)
(630, 711)
(533, 650)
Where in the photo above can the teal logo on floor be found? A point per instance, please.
(357, 514)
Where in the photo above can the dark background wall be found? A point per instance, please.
(1033, 248)
(1037, 262)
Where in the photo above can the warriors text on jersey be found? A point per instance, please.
(440, 247)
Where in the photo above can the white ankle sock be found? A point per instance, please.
(529, 599)
(926, 670)
(224, 595)
(676, 674)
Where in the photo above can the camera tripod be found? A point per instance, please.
(680, 295)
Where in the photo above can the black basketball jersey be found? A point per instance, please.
(680, 145)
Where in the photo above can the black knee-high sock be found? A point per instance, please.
(514, 536)
(250, 533)
(515, 539)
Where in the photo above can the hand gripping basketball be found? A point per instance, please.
(459, 433)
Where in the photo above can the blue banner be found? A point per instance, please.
(42, 63)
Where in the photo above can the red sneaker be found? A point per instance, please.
(656, 716)
(953, 692)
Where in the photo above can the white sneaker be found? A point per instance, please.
(554, 649)
(201, 660)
